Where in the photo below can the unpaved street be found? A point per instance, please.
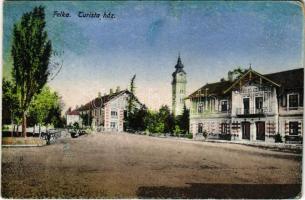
(125, 165)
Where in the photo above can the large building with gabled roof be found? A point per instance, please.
(253, 107)
(108, 112)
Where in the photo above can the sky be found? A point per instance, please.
(146, 37)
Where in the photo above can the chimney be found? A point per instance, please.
(118, 89)
(230, 76)
(111, 91)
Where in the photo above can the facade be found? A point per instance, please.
(178, 88)
(72, 117)
(251, 107)
(107, 112)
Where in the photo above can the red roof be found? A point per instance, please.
(73, 112)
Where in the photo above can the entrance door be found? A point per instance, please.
(245, 126)
(260, 130)
(246, 105)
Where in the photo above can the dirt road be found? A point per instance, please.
(113, 165)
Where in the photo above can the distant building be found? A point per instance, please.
(107, 112)
(178, 88)
(252, 107)
(72, 116)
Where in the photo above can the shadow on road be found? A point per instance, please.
(232, 191)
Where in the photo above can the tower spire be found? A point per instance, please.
(179, 64)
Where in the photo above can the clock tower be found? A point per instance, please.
(178, 88)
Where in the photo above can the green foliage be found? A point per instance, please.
(131, 99)
(237, 73)
(177, 130)
(136, 119)
(31, 51)
(11, 112)
(76, 126)
(86, 119)
(45, 108)
(167, 118)
(152, 123)
(184, 120)
(189, 136)
(161, 121)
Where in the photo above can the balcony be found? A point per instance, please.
(251, 112)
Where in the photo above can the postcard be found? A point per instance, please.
(152, 99)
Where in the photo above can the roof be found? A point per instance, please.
(212, 89)
(289, 79)
(72, 112)
(179, 67)
(100, 102)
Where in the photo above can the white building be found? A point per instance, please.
(178, 88)
(72, 117)
(251, 107)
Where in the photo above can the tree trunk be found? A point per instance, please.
(24, 125)
(33, 130)
(13, 128)
(17, 130)
(12, 123)
(39, 128)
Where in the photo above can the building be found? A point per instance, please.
(72, 116)
(251, 107)
(178, 88)
(107, 113)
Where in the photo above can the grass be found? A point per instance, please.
(23, 141)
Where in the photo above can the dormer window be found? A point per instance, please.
(293, 100)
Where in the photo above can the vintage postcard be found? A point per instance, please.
(152, 99)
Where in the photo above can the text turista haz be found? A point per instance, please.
(95, 14)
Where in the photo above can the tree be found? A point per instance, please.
(153, 123)
(86, 119)
(10, 112)
(184, 120)
(236, 73)
(136, 119)
(131, 108)
(45, 108)
(167, 119)
(131, 99)
(31, 51)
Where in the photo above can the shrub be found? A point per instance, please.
(205, 134)
(190, 136)
(177, 130)
(278, 138)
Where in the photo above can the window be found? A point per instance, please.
(293, 128)
(112, 124)
(200, 128)
(224, 106)
(258, 102)
(293, 100)
(200, 107)
(114, 114)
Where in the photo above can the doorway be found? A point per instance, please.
(245, 126)
(260, 130)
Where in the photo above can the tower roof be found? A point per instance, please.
(179, 64)
(179, 67)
